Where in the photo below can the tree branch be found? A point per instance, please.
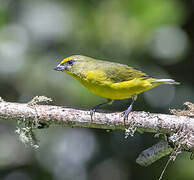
(56, 115)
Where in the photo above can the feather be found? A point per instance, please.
(165, 81)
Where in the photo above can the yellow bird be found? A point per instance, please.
(110, 80)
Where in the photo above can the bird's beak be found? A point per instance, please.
(60, 67)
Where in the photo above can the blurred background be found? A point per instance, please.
(154, 36)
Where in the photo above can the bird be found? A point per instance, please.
(110, 80)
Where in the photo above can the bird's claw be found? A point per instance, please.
(92, 111)
(125, 117)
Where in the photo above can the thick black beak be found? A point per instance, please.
(60, 67)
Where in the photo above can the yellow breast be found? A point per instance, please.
(101, 86)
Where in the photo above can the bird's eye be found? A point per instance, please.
(70, 62)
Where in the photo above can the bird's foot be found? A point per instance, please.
(130, 128)
(126, 113)
(95, 108)
(92, 111)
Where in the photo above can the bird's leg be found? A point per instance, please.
(129, 109)
(93, 110)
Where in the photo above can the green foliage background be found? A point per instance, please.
(154, 36)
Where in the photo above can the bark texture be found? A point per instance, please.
(181, 127)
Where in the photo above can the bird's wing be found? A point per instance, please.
(118, 72)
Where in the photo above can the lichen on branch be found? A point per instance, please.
(180, 129)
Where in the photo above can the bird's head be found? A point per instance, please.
(72, 64)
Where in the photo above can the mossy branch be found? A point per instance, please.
(58, 115)
(179, 128)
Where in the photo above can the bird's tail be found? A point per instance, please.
(165, 81)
